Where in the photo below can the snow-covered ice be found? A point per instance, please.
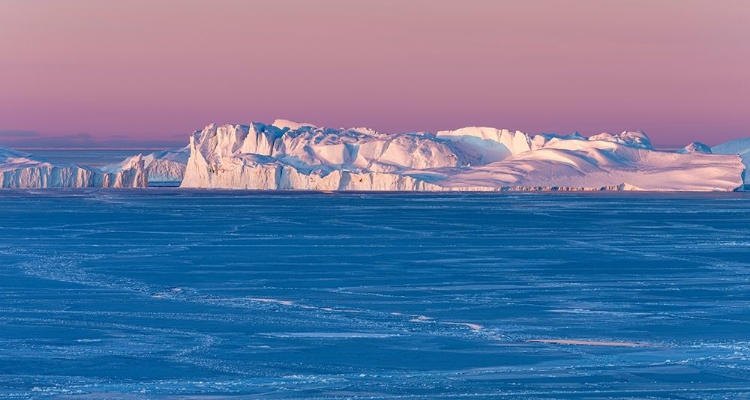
(167, 293)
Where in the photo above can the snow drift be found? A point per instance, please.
(288, 155)
(21, 171)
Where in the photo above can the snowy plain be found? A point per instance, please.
(170, 292)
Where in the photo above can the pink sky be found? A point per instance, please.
(154, 71)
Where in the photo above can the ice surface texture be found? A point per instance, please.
(178, 293)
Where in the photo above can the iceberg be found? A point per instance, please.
(161, 167)
(634, 139)
(740, 147)
(696, 147)
(22, 171)
(288, 155)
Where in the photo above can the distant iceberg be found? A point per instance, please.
(288, 155)
(162, 167)
(696, 147)
(22, 171)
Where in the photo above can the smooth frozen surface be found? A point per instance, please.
(174, 292)
(287, 155)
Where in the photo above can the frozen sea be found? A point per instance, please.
(174, 293)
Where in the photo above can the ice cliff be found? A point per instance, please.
(22, 171)
(740, 147)
(289, 155)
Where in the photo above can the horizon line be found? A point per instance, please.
(87, 148)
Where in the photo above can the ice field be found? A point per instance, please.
(168, 292)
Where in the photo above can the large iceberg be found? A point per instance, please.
(288, 155)
(21, 171)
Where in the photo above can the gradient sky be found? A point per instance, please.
(120, 73)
